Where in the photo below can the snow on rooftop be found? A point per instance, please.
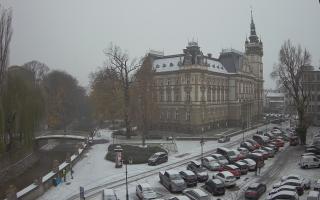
(26, 190)
(168, 64)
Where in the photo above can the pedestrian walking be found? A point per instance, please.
(71, 173)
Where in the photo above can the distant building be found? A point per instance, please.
(275, 101)
(197, 92)
(311, 80)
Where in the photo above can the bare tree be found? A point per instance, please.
(289, 75)
(120, 63)
(39, 69)
(146, 108)
(5, 38)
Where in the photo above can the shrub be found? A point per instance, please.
(137, 154)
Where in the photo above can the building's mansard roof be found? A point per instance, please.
(229, 61)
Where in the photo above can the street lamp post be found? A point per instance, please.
(127, 194)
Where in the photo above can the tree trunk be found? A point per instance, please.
(126, 105)
(302, 130)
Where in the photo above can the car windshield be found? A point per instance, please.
(154, 156)
(230, 178)
(147, 189)
(213, 164)
(175, 176)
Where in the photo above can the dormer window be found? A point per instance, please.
(164, 65)
(171, 64)
(218, 66)
(157, 66)
(213, 66)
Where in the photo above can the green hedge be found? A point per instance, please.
(137, 154)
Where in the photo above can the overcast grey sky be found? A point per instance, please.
(71, 34)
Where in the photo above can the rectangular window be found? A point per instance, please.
(188, 116)
(177, 115)
(188, 97)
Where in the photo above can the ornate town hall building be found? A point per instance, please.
(197, 92)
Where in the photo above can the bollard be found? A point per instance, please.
(11, 193)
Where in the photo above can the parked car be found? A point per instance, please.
(145, 192)
(314, 150)
(297, 183)
(274, 147)
(109, 194)
(242, 166)
(247, 145)
(278, 142)
(233, 169)
(226, 177)
(200, 172)
(255, 190)
(251, 163)
(264, 154)
(243, 151)
(317, 185)
(220, 158)
(254, 143)
(158, 158)
(215, 187)
(179, 198)
(262, 140)
(306, 181)
(211, 164)
(196, 194)
(238, 154)
(309, 162)
(172, 180)
(258, 158)
(228, 153)
(189, 177)
(283, 188)
(269, 150)
(283, 195)
(224, 139)
(313, 195)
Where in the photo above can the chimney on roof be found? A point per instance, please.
(209, 55)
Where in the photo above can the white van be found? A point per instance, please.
(313, 195)
(309, 162)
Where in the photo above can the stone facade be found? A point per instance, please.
(196, 92)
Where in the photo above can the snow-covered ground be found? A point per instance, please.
(93, 170)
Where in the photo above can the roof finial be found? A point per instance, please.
(251, 13)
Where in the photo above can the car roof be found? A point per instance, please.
(188, 172)
(254, 185)
(195, 162)
(291, 181)
(226, 173)
(249, 160)
(216, 154)
(240, 162)
(159, 153)
(285, 192)
(216, 181)
(209, 158)
(232, 166)
(200, 192)
(145, 185)
(172, 171)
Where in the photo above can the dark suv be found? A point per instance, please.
(201, 172)
(158, 158)
(215, 187)
(189, 177)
